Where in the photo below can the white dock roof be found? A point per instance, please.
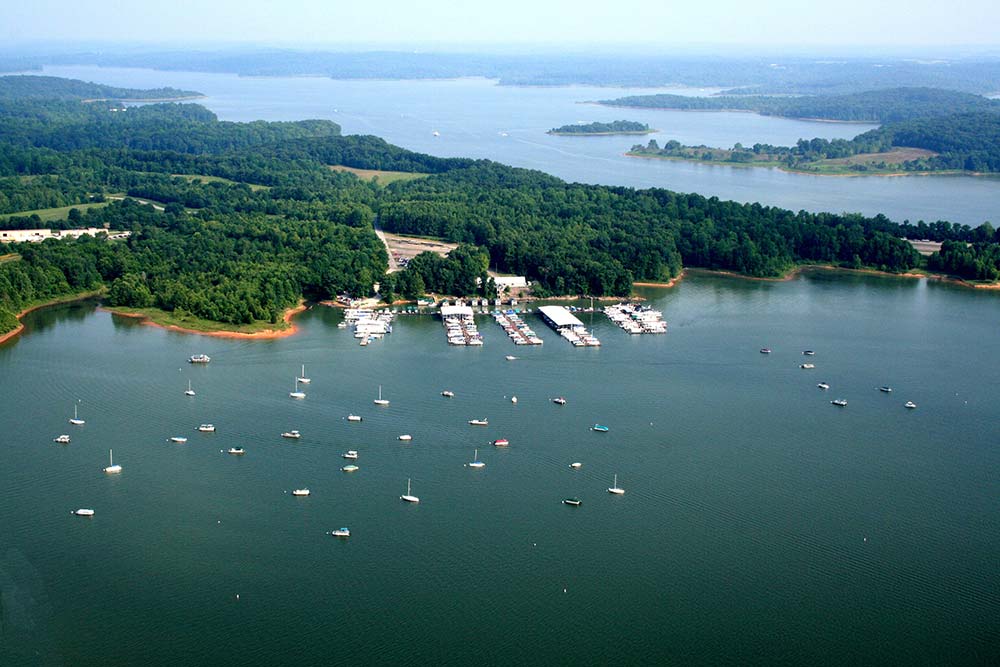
(559, 316)
(455, 311)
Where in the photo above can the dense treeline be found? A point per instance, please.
(972, 261)
(875, 106)
(242, 231)
(614, 127)
(32, 87)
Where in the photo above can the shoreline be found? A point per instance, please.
(58, 301)
(599, 134)
(266, 334)
(794, 272)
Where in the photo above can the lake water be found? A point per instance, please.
(760, 524)
(477, 118)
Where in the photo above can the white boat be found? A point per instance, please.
(302, 377)
(190, 391)
(199, 359)
(510, 357)
(409, 498)
(380, 400)
(349, 468)
(448, 394)
(614, 489)
(559, 400)
(294, 435)
(112, 468)
(436, 133)
(238, 451)
(500, 442)
(300, 492)
(207, 428)
(513, 399)
(350, 454)
(479, 422)
(576, 464)
(476, 463)
(406, 437)
(340, 532)
(296, 393)
(178, 438)
(76, 421)
(839, 402)
(83, 512)
(823, 385)
(910, 405)
(62, 439)
(353, 418)
(807, 366)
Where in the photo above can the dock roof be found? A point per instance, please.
(559, 316)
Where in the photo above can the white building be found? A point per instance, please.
(39, 235)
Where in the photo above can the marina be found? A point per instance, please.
(460, 325)
(635, 318)
(369, 325)
(515, 328)
(568, 326)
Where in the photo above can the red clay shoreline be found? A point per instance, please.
(268, 334)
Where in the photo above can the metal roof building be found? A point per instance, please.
(558, 317)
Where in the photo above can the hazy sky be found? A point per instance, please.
(663, 24)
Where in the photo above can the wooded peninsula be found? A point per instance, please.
(614, 127)
(234, 223)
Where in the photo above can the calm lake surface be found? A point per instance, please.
(760, 524)
(477, 118)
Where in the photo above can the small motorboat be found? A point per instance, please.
(479, 422)
(576, 464)
(886, 389)
(501, 442)
(238, 451)
(765, 350)
(839, 402)
(575, 502)
(178, 439)
(353, 418)
(823, 385)
(294, 435)
(910, 405)
(808, 353)
(350, 454)
(599, 428)
(510, 357)
(340, 532)
(807, 366)
(448, 394)
(199, 359)
(83, 511)
(300, 492)
(350, 467)
(406, 437)
(61, 439)
(559, 401)
(207, 428)
(513, 399)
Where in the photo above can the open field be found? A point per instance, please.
(49, 214)
(384, 177)
(217, 179)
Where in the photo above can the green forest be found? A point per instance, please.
(246, 219)
(876, 106)
(614, 127)
(34, 87)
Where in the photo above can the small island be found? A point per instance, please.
(614, 127)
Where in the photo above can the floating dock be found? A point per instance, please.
(636, 319)
(515, 328)
(460, 325)
(568, 326)
(369, 325)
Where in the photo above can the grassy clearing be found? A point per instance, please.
(49, 214)
(384, 177)
(9, 257)
(191, 178)
(192, 323)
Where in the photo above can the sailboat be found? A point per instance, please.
(190, 391)
(408, 498)
(380, 400)
(614, 489)
(76, 421)
(302, 377)
(476, 463)
(297, 393)
(112, 468)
